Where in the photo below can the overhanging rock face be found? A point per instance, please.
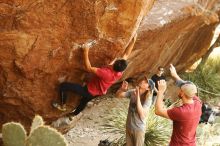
(38, 44)
(38, 48)
(177, 32)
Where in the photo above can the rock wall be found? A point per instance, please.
(38, 48)
(38, 44)
(177, 32)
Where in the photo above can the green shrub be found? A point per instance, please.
(46, 136)
(157, 133)
(37, 121)
(14, 134)
(207, 78)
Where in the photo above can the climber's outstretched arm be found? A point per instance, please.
(129, 48)
(88, 66)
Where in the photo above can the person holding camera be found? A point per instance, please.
(186, 117)
(140, 102)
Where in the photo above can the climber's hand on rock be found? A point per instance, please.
(85, 47)
(89, 44)
(135, 37)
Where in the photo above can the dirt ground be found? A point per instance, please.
(88, 130)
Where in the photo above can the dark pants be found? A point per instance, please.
(78, 89)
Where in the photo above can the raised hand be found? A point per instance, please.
(162, 86)
(124, 86)
(85, 47)
(173, 70)
(137, 92)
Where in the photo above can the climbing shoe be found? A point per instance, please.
(59, 107)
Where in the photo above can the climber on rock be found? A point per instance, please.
(103, 78)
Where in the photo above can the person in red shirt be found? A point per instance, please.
(186, 117)
(103, 78)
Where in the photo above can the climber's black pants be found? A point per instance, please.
(78, 89)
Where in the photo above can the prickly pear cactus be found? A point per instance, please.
(37, 121)
(46, 136)
(13, 134)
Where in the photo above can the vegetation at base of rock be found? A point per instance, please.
(159, 129)
(207, 78)
(157, 133)
(14, 134)
(46, 136)
(37, 121)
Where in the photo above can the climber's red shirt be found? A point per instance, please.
(103, 79)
